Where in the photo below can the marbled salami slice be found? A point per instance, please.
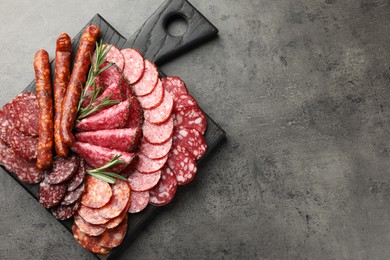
(165, 190)
(115, 56)
(73, 196)
(89, 242)
(110, 76)
(92, 215)
(162, 113)
(146, 165)
(136, 116)
(98, 156)
(63, 212)
(118, 202)
(183, 101)
(139, 201)
(192, 140)
(24, 145)
(5, 128)
(51, 194)
(88, 228)
(153, 99)
(98, 193)
(158, 134)
(113, 237)
(119, 139)
(182, 164)
(174, 85)
(113, 92)
(63, 169)
(114, 222)
(111, 118)
(78, 178)
(143, 182)
(134, 65)
(155, 151)
(148, 81)
(190, 117)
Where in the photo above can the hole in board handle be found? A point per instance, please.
(176, 25)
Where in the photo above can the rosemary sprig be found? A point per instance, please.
(100, 172)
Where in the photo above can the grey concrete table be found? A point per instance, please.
(302, 89)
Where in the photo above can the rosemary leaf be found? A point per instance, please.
(103, 177)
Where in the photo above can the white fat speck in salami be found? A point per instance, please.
(155, 151)
(165, 190)
(139, 201)
(174, 85)
(182, 164)
(143, 182)
(192, 140)
(153, 99)
(190, 117)
(63, 169)
(161, 113)
(183, 101)
(134, 65)
(24, 145)
(88, 228)
(158, 134)
(148, 81)
(146, 165)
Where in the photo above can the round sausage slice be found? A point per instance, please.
(98, 193)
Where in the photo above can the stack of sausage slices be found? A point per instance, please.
(134, 138)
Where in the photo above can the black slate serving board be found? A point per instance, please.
(153, 41)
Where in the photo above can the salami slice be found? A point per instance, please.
(183, 101)
(63, 169)
(143, 182)
(119, 139)
(136, 116)
(63, 212)
(190, 117)
(98, 156)
(51, 194)
(153, 99)
(118, 202)
(148, 81)
(110, 118)
(161, 113)
(158, 134)
(24, 145)
(134, 65)
(73, 196)
(98, 193)
(115, 56)
(192, 140)
(5, 128)
(182, 164)
(78, 178)
(92, 215)
(88, 228)
(174, 85)
(113, 237)
(114, 222)
(99, 85)
(155, 151)
(89, 242)
(165, 190)
(146, 165)
(113, 92)
(110, 76)
(139, 201)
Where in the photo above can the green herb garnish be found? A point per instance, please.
(106, 176)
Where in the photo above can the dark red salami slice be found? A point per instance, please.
(192, 140)
(5, 128)
(120, 139)
(136, 115)
(158, 134)
(134, 65)
(137, 141)
(73, 196)
(153, 99)
(139, 201)
(148, 81)
(98, 156)
(155, 151)
(78, 178)
(92, 215)
(24, 145)
(161, 113)
(99, 85)
(165, 190)
(113, 92)
(88, 228)
(183, 101)
(110, 76)
(51, 194)
(115, 56)
(89, 242)
(146, 165)
(110, 118)
(126, 89)
(190, 117)
(23, 111)
(63, 169)
(97, 193)
(182, 164)
(143, 182)
(119, 200)
(63, 212)
(174, 85)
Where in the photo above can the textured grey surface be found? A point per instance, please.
(302, 89)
